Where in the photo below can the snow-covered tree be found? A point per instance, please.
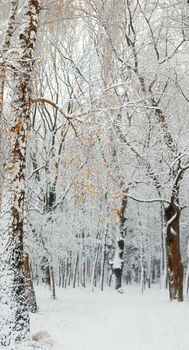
(15, 323)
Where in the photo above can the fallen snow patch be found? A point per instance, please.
(83, 320)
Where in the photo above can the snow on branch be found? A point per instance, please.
(153, 200)
(179, 174)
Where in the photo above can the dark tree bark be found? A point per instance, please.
(31, 298)
(118, 269)
(172, 215)
(76, 270)
(117, 264)
(175, 266)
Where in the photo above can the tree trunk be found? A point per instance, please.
(76, 270)
(163, 266)
(30, 293)
(94, 267)
(103, 261)
(187, 271)
(175, 266)
(15, 324)
(118, 263)
(31, 298)
(5, 47)
(83, 261)
(53, 289)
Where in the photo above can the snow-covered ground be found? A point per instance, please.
(85, 320)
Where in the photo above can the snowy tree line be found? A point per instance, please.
(94, 149)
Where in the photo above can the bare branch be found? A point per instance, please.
(58, 108)
(153, 200)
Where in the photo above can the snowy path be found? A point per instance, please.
(85, 320)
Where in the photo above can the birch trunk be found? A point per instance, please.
(5, 47)
(15, 324)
